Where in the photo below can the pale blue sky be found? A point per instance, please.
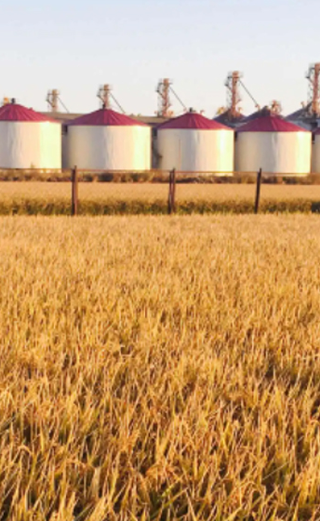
(77, 45)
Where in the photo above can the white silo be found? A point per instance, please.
(28, 139)
(316, 152)
(106, 140)
(194, 143)
(273, 144)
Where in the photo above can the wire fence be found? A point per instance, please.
(99, 192)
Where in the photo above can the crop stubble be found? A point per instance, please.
(160, 368)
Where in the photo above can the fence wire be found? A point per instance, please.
(123, 192)
(150, 192)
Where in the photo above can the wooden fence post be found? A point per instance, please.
(172, 192)
(74, 191)
(257, 201)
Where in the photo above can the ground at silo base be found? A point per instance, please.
(158, 367)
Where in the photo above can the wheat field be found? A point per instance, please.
(151, 198)
(157, 368)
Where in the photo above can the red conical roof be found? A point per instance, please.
(192, 120)
(15, 112)
(106, 117)
(267, 121)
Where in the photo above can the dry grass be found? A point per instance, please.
(135, 198)
(157, 368)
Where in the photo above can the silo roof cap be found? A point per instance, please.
(16, 112)
(267, 121)
(105, 117)
(192, 120)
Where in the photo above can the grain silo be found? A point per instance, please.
(194, 143)
(106, 140)
(316, 152)
(273, 144)
(28, 139)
